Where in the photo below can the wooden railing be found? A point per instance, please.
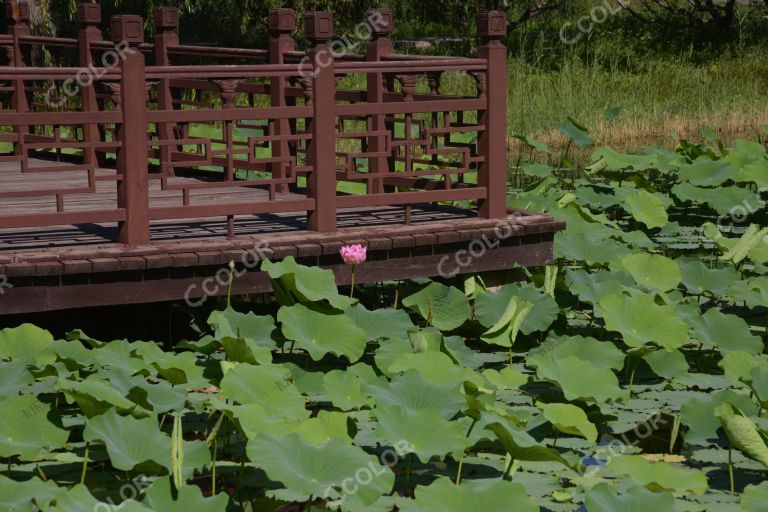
(285, 123)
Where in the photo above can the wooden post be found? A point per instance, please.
(492, 28)
(282, 23)
(380, 23)
(166, 36)
(318, 26)
(17, 12)
(132, 160)
(89, 18)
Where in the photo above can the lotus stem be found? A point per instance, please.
(213, 466)
(397, 295)
(42, 474)
(85, 465)
(730, 470)
(509, 468)
(461, 462)
(352, 289)
(632, 376)
(231, 282)
(309, 503)
(410, 467)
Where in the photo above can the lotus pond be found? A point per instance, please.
(630, 376)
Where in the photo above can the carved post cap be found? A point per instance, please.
(282, 21)
(318, 26)
(128, 28)
(381, 21)
(89, 14)
(17, 11)
(166, 18)
(492, 25)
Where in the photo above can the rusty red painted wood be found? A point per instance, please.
(273, 136)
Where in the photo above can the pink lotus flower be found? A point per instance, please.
(354, 254)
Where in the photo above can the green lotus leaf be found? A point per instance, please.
(660, 476)
(23, 496)
(588, 247)
(257, 330)
(753, 291)
(28, 343)
(612, 159)
(329, 471)
(506, 329)
(492, 307)
(345, 390)
(139, 444)
(750, 240)
(742, 433)
(381, 323)
(519, 444)
(706, 172)
(14, 377)
(723, 200)
(436, 367)
(569, 419)
(507, 378)
(159, 496)
(602, 498)
(294, 283)
(755, 498)
(698, 414)
(160, 397)
(26, 430)
(600, 354)
(181, 369)
(537, 170)
(728, 332)
(412, 391)
(647, 208)
(698, 278)
(130, 442)
(423, 432)
(641, 321)
(578, 379)
(446, 307)
(653, 272)
(327, 425)
(457, 348)
(79, 498)
(95, 395)
(578, 133)
(269, 386)
(592, 286)
(738, 366)
(245, 351)
(667, 364)
(321, 334)
(443, 495)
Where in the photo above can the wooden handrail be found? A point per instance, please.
(283, 117)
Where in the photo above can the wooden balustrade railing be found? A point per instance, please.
(160, 135)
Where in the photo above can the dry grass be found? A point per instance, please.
(633, 134)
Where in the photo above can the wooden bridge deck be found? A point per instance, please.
(64, 267)
(183, 124)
